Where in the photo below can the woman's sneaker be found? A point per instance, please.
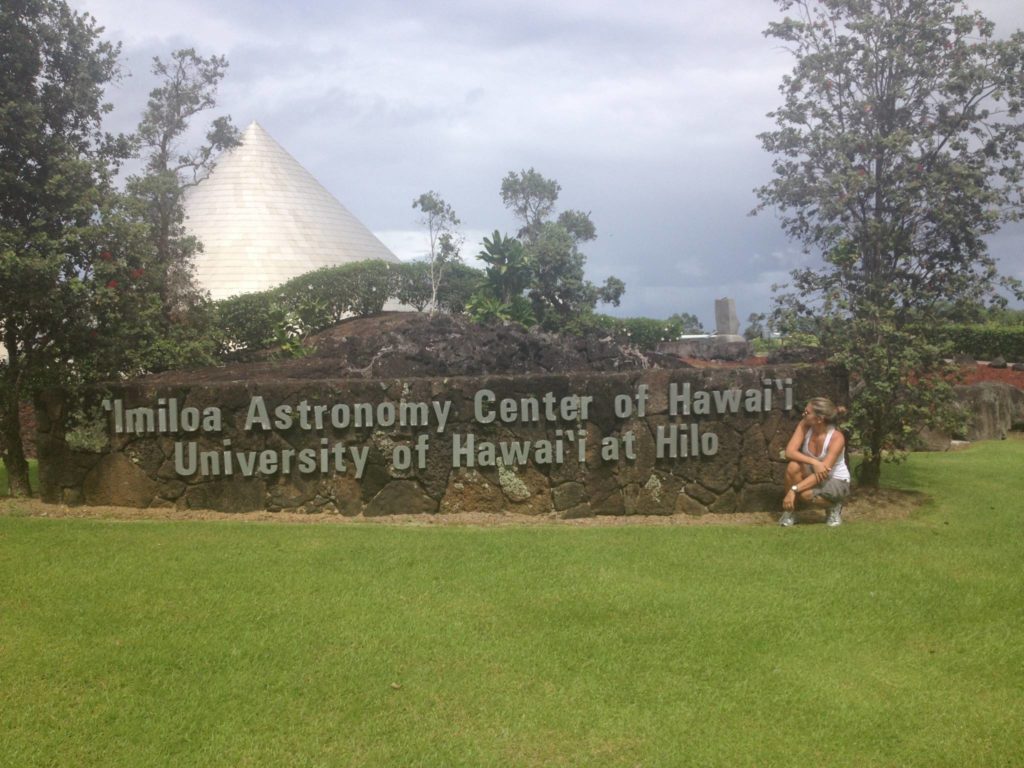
(787, 519)
(835, 516)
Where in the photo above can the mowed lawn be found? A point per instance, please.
(897, 643)
(33, 477)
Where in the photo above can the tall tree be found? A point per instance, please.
(898, 148)
(188, 87)
(531, 197)
(558, 289)
(55, 169)
(688, 322)
(442, 236)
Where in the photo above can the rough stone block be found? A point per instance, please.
(761, 497)
(568, 495)
(992, 408)
(234, 495)
(401, 497)
(117, 481)
(469, 491)
(613, 504)
(687, 505)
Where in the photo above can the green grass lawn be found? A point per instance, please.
(33, 477)
(896, 643)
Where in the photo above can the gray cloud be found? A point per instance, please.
(646, 113)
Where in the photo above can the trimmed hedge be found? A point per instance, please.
(988, 341)
(320, 299)
(250, 321)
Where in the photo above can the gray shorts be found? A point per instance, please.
(832, 489)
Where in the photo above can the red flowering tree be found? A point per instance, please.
(80, 283)
(54, 176)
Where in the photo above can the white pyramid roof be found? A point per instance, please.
(263, 219)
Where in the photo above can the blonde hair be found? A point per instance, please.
(825, 409)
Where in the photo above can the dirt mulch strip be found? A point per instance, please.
(865, 506)
(982, 372)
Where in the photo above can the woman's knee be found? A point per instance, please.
(793, 472)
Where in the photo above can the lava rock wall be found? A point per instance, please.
(581, 444)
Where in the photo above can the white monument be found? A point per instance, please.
(263, 219)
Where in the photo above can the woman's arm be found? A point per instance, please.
(794, 452)
(789, 500)
(796, 442)
(835, 450)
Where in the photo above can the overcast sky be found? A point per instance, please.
(645, 112)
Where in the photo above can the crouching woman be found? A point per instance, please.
(817, 474)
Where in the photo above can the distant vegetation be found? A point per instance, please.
(307, 304)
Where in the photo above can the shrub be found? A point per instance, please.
(372, 283)
(460, 283)
(642, 332)
(987, 341)
(319, 298)
(412, 284)
(324, 297)
(250, 321)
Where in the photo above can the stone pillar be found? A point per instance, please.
(726, 322)
(727, 344)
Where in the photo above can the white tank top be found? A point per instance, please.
(839, 471)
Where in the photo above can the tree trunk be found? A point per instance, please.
(870, 471)
(871, 468)
(10, 441)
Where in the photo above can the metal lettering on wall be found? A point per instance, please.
(567, 443)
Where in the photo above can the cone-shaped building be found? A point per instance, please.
(263, 219)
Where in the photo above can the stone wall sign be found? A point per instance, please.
(643, 442)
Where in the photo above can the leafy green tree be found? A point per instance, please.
(1005, 316)
(755, 326)
(461, 283)
(81, 279)
(188, 87)
(897, 149)
(114, 298)
(558, 289)
(687, 323)
(442, 233)
(532, 198)
(578, 225)
(55, 170)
